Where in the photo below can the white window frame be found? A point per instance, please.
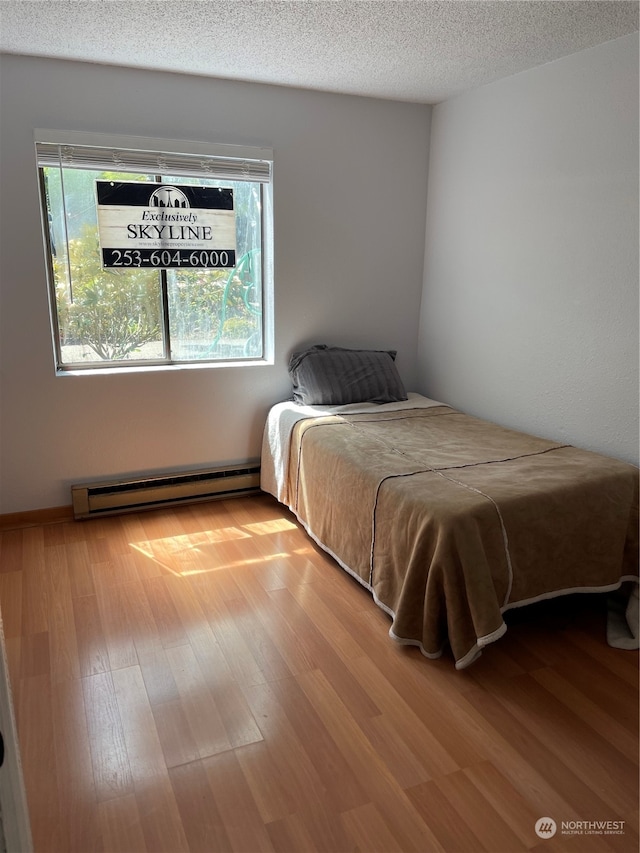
(86, 150)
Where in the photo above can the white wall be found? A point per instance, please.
(349, 253)
(530, 307)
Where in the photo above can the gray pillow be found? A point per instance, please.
(333, 376)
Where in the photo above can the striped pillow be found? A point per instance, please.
(333, 376)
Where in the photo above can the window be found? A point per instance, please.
(159, 253)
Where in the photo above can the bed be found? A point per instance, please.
(448, 520)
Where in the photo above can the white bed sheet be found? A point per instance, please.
(284, 416)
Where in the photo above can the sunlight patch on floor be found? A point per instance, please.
(277, 525)
(209, 550)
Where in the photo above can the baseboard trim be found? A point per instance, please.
(36, 517)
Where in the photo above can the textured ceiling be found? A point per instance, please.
(411, 50)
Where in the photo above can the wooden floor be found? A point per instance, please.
(206, 679)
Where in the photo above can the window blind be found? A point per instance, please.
(74, 150)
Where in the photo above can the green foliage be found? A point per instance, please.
(112, 311)
(241, 327)
(194, 299)
(115, 312)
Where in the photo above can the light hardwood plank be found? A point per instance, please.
(37, 747)
(116, 569)
(326, 621)
(164, 613)
(538, 772)
(206, 678)
(158, 678)
(243, 665)
(35, 602)
(174, 733)
(35, 655)
(239, 723)
(79, 566)
(384, 737)
(113, 609)
(315, 828)
(143, 629)
(74, 768)
(93, 654)
(443, 818)
(587, 643)
(369, 831)
(433, 699)
(612, 777)
(292, 762)
(376, 777)
(268, 788)
(135, 535)
(111, 769)
(198, 702)
(515, 810)
(119, 824)
(65, 662)
(204, 827)
(492, 831)
(591, 676)
(11, 603)
(423, 745)
(11, 549)
(264, 648)
(341, 785)
(592, 714)
(159, 814)
(235, 803)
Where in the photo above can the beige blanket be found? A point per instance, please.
(450, 520)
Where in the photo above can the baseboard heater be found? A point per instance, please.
(140, 493)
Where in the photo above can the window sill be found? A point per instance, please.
(158, 368)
